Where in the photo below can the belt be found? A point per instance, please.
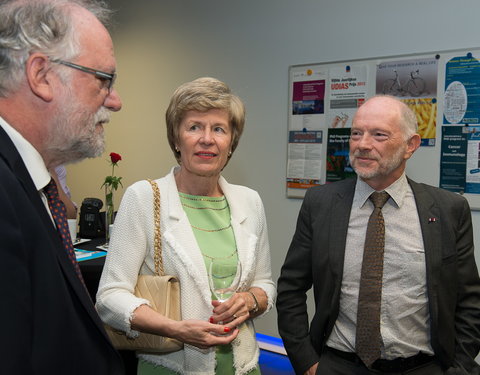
(386, 365)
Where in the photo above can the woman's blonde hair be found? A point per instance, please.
(202, 95)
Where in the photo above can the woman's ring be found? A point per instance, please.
(234, 316)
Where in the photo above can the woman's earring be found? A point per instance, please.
(229, 153)
(176, 149)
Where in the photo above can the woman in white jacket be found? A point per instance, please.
(202, 217)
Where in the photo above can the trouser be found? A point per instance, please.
(332, 364)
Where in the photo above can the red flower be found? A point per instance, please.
(112, 182)
(115, 158)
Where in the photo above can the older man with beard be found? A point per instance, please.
(57, 70)
(412, 305)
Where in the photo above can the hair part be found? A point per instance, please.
(46, 26)
(202, 95)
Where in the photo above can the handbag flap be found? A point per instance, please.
(159, 290)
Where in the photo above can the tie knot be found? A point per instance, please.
(51, 189)
(379, 199)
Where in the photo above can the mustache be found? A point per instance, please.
(364, 154)
(102, 116)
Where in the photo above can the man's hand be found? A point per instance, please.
(312, 370)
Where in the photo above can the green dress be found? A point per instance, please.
(210, 221)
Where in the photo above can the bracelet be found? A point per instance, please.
(254, 309)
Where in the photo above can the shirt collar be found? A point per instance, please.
(31, 157)
(397, 191)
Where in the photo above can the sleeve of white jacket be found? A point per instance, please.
(126, 254)
(263, 272)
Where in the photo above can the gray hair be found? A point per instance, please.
(408, 119)
(46, 26)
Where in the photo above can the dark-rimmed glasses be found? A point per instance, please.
(103, 76)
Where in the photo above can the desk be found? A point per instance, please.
(92, 268)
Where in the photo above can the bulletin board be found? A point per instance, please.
(441, 87)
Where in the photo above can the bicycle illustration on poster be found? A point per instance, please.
(413, 81)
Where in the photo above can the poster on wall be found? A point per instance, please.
(347, 91)
(305, 159)
(462, 90)
(413, 81)
(338, 161)
(308, 100)
(460, 159)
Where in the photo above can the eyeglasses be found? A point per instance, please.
(109, 78)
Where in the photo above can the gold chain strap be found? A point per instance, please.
(157, 243)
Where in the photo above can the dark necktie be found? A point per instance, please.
(368, 338)
(59, 214)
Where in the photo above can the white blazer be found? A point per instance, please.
(131, 253)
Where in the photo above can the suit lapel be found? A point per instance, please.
(181, 244)
(430, 223)
(246, 245)
(245, 238)
(340, 216)
(429, 216)
(179, 237)
(13, 159)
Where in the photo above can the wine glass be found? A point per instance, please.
(224, 277)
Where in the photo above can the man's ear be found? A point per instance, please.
(37, 69)
(412, 144)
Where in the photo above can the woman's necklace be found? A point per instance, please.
(212, 230)
(220, 199)
(225, 257)
(215, 206)
(217, 201)
(204, 208)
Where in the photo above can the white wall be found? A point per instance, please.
(250, 44)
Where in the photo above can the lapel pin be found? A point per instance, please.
(432, 219)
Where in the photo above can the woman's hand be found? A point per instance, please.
(199, 333)
(233, 311)
(204, 334)
(240, 307)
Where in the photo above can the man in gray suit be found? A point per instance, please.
(429, 304)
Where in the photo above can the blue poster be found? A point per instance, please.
(462, 91)
(453, 159)
(472, 184)
(460, 159)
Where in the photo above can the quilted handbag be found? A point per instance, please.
(161, 290)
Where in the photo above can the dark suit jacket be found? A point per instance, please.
(49, 324)
(316, 257)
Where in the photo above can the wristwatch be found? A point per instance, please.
(254, 309)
